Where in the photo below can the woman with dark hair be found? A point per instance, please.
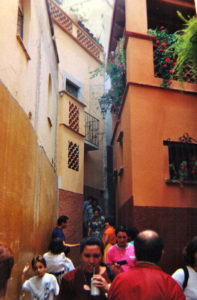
(57, 263)
(90, 280)
(96, 225)
(121, 256)
(187, 277)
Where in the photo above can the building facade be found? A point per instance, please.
(28, 123)
(80, 124)
(155, 132)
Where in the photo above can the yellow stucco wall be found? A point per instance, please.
(78, 63)
(28, 96)
(70, 180)
(27, 79)
(28, 189)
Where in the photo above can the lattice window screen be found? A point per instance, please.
(73, 117)
(73, 156)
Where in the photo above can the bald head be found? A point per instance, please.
(148, 234)
(148, 246)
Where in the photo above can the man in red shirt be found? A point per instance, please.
(146, 280)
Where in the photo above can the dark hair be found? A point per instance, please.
(189, 251)
(132, 232)
(40, 259)
(90, 198)
(96, 209)
(109, 220)
(148, 249)
(6, 264)
(121, 229)
(56, 246)
(62, 219)
(91, 241)
(94, 200)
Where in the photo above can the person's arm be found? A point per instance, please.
(114, 266)
(70, 245)
(66, 288)
(89, 231)
(178, 276)
(24, 273)
(89, 228)
(105, 239)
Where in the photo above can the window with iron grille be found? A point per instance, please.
(74, 116)
(20, 20)
(72, 88)
(73, 156)
(182, 161)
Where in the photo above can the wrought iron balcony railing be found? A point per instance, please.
(91, 131)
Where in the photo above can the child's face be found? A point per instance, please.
(39, 269)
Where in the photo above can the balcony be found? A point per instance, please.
(188, 76)
(91, 133)
(66, 23)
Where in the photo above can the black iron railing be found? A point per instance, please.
(91, 129)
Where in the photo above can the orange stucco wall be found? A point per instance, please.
(156, 115)
(28, 187)
(136, 18)
(122, 155)
(149, 116)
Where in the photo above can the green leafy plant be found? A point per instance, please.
(185, 47)
(164, 60)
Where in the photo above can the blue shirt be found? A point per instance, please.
(58, 233)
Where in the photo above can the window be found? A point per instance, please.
(182, 160)
(73, 156)
(20, 20)
(73, 117)
(49, 104)
(23, 21)
(72, 88)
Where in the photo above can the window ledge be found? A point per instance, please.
(185, 182)
(23, 46)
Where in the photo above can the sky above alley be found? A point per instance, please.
(95, 14)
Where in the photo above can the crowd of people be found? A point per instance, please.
(116, 264)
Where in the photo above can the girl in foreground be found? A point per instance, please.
(42, 286)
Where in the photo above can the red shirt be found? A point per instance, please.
(145, 282)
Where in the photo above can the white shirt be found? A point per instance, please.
(58, 263)
(191, 289)
(42, 288)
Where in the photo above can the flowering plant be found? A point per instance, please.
(116, 70)
(184, 171)
(164, 60)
